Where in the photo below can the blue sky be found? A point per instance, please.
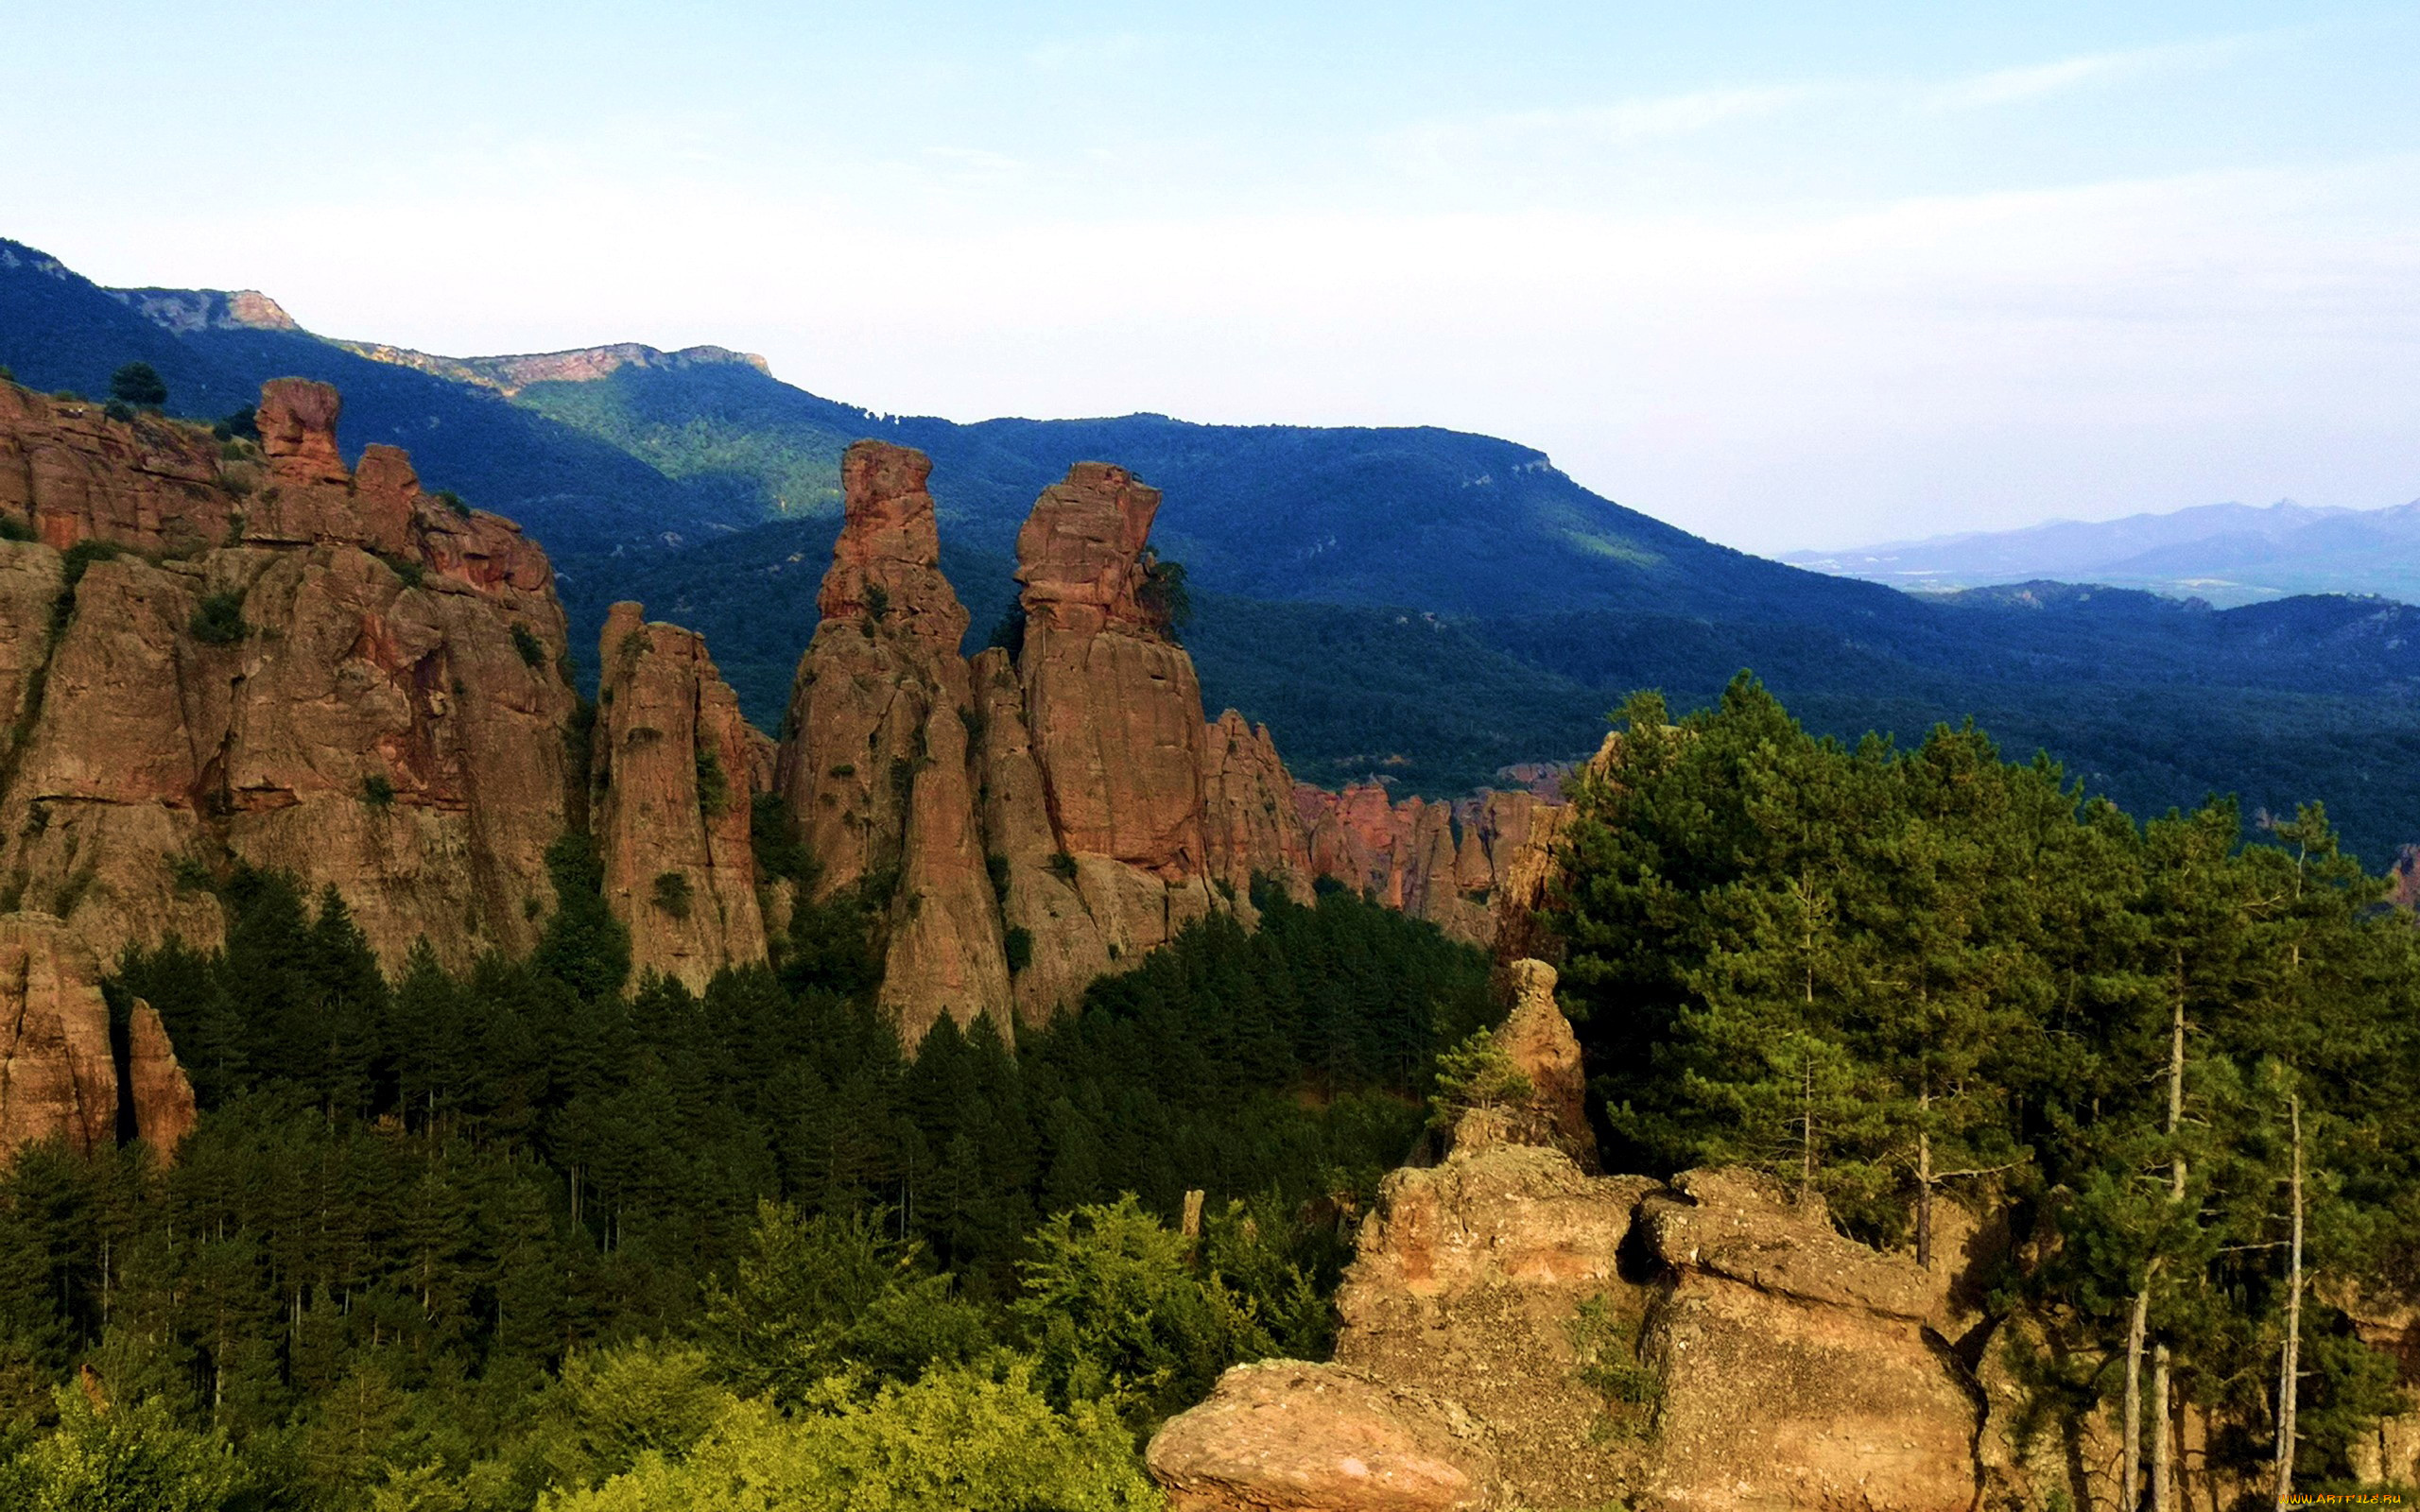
(1786, 275)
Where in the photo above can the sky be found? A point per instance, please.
(1785, 275)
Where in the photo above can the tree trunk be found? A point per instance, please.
(1924, 1183)
(2289, 1361)
(2129, 1484)
(2163, 1480)
(2163, 1436)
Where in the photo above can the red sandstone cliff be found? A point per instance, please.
(291, 665)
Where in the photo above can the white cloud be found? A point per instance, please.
(1622, 123)
(2009, 86)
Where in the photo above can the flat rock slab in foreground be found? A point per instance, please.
(1287, 1436)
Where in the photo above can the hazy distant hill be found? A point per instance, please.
(2227, 554)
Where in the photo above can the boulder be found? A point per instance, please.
(1797, 1368)
(1284, 1435)
(297, 426)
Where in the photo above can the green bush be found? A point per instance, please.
(243, 423)
(12, 528)
(81, 555)
(533, 651)
(1062, 867)
(218, 620)
(1019, 943)
(454, 501)
(118, 409)
(672, 893)
(378, 790)
(138, 384)
(714, 786)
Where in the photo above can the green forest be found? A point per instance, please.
(2177, 1067)
(537, 1235)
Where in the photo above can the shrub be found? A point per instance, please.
(672, 893)
(1019, 941)
(118, 410)
(713, 788)
(844, 769)
(12, 528)
(413, 574)
(81, 555)
(220, 620)
(877, 602)
(533, 651)
(1478, 1073)
(1062, 867)
(244, 423)
(773, 839)
(995, 867)
(454, 501)
(377, 790)
(1163, 595)
(138, 384)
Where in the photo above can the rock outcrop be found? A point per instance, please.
(675, 768)
(1113, 704)
(1539, 1038)
(157, 1092)
(284, 665)
(1250, 827)
(876, 762)
(1448, 863)
(1607, 1340)
(60, 1077)
(1289, 1436)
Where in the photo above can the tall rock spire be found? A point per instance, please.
(875, 754)
(673, 764)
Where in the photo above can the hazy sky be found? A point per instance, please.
(1783, 274)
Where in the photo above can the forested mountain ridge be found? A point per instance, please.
(1361, 592)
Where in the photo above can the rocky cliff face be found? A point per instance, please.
(876, 759)
(1517, 1333)
(675, 767)
(1448, 863)
(280, 662)
(60, 1078)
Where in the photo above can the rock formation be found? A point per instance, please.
(1113, 704)
(157, 1091)
(1289, 1436)
(57, 1079)
(875, 762)
(1249, 824)
(1445, 862)
(60, 1078)
(1539, 1038)
(287, 665)
(675, 768)
(1567, 1340)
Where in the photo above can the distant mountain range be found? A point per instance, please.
(2223, 554)
(1417, 604)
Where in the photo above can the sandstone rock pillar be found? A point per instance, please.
(875, 754)
(670, 814)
